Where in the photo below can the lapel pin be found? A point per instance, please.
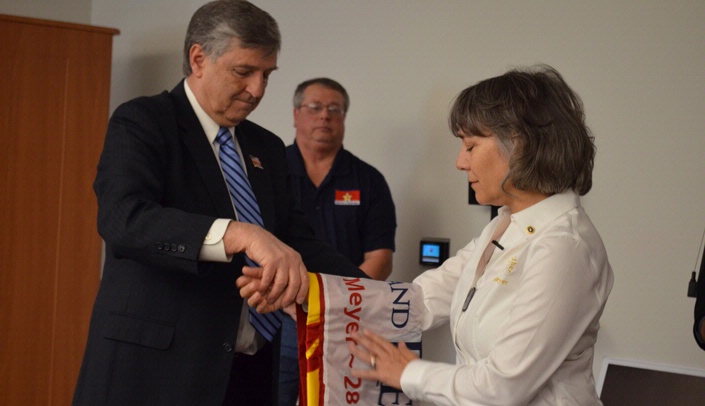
(256, 162)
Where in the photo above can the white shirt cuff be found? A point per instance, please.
(213, 248)
(412, 379)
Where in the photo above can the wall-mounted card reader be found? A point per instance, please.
(433, 251)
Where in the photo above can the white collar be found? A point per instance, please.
(210, 127)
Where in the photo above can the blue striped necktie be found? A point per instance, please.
(248, 212)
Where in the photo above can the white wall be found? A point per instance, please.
(71, 11)
(638, 65)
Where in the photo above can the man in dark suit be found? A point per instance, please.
(699, 311)
(168, 325)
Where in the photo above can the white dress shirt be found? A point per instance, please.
(528, 334)
(213, 248)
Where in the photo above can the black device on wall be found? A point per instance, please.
(433, 251)
(473, 200)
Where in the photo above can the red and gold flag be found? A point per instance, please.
(347, 197)
(338, 306)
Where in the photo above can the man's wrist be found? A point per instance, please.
(232, 240)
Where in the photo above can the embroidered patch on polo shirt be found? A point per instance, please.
(347, 197)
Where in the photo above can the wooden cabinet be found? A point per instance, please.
(54, 87)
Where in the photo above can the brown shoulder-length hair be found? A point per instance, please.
(539, 123)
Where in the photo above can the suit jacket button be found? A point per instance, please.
(173, 247)
(181, 248)
(159, 246)
(227, 347)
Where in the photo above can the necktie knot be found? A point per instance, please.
(224, 137)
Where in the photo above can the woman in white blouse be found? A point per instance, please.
(523, 303)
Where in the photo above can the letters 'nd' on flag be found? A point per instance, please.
(336, 307)
(347, 197)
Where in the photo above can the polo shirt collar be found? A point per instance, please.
(341, 163)
(296, 166)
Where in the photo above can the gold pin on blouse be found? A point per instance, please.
(530, 229)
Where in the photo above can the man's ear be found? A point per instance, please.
(197, 59)
(296, 116)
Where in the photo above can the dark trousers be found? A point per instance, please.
(288, 364)
(252, 379)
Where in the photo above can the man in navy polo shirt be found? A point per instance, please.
(346, 200)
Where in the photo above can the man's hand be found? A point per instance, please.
(283, 278)
(248, 284)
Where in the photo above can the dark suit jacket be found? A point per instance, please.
(164, 322)
(700, 305)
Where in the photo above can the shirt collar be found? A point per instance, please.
(210, 127)
(535, 218)
(296, 166)
(341, 164)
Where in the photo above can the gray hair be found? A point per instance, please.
(539, 122)
(217, 23)
(325, 82)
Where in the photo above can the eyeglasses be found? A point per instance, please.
(333, 109)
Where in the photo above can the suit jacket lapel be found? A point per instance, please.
(196, 142)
